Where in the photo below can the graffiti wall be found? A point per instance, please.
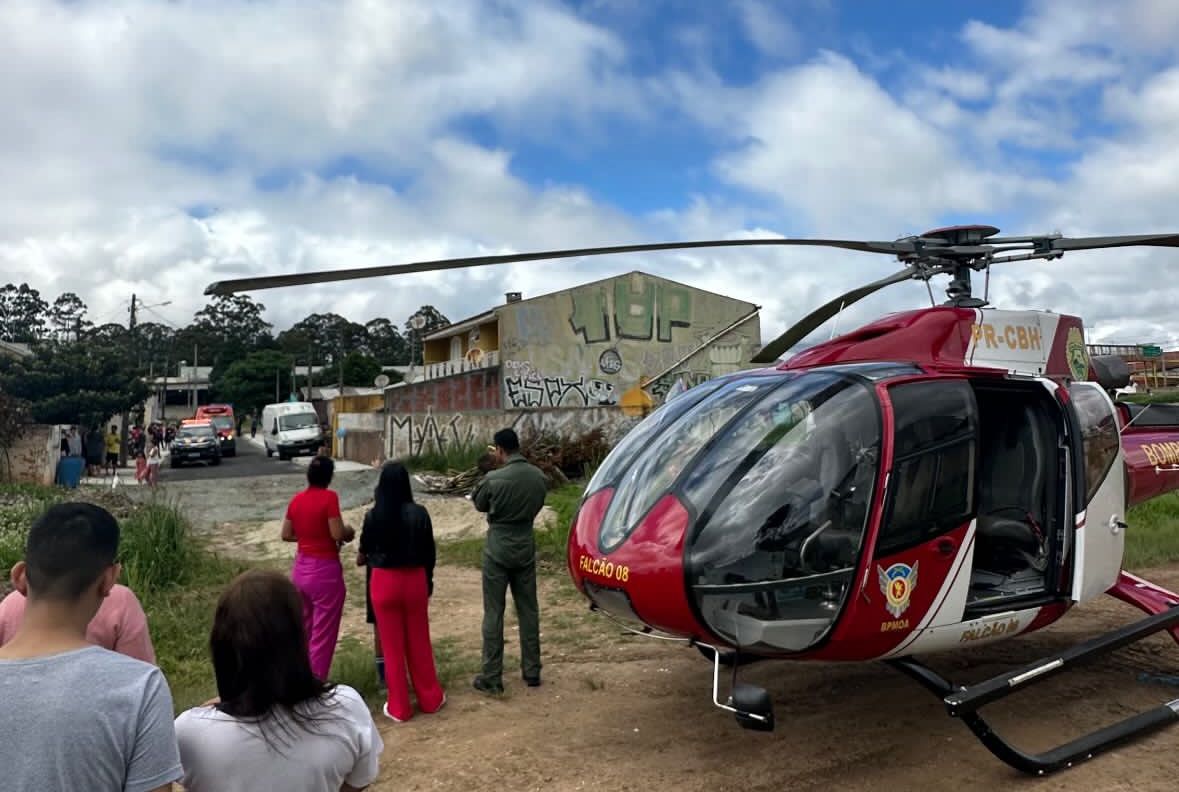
(471, 390)
(589, 346)
(411, 434)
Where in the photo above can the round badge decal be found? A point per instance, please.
(610, 362)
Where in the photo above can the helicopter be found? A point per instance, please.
(935, 480)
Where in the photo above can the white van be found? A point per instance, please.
(290, 428)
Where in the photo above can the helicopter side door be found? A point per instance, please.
(1101, 502)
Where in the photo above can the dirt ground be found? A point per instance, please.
(631, 713)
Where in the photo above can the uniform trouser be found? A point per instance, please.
(401, 605)
(321, 582)
(497, 578)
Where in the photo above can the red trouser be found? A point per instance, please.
(401, 605)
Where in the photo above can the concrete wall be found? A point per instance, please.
(410, 434)
(34, 456)
(589, 346)
(361, 445)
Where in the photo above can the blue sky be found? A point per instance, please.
(152, 148)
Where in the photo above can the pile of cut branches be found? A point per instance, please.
(559, 458)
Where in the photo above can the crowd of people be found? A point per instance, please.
(71, 637)
(101, 450)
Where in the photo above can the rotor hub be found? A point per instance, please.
(962, 234)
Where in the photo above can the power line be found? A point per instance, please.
(152, 310)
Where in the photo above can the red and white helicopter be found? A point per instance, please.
(934, 480)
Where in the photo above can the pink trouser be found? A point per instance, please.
(321, 582)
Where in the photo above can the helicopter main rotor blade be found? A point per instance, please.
(805, 326)
(1092, 243)
(227, 287)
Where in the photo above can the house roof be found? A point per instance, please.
(461, 327)
(471, 322)
(13, 349)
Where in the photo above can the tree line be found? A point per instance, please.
(83, 372)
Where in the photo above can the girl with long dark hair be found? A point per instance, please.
(274, 724)
(397, 544)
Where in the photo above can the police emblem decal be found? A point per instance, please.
(897, 584)
(1077, 355)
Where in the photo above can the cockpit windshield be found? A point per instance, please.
(657, 451)
(782, 498)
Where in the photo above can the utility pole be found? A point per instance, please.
(126, 418)
(196, 394)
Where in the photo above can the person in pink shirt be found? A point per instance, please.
(119, 625)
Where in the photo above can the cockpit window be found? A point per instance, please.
(662, 451)
(783, 500)
(636, 439)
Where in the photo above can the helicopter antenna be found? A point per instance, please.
(835, 324)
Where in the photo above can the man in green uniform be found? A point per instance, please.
(511, 495)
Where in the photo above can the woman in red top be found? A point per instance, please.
(313, 521)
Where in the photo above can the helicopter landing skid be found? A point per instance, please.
(964, 702)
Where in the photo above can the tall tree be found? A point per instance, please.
(157, 347)
(226, 329)
(108, 335)
(251, 383)
(421, 323)
(360, 370)
(325, 337)
(386, 343)
(77, 383)
(23, 314)
(14, 419)
(67, 317)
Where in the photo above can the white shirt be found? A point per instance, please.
(342, 745)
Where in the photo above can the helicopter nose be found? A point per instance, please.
(643, 578)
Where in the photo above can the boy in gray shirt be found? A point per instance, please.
(74, 715)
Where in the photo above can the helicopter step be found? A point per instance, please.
(964, 702)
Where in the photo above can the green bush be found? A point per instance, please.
(156, 548)
(455, 459)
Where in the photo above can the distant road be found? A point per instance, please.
(251, 460)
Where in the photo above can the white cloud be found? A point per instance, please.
(832, 145)
(768, 29)
(119, 116)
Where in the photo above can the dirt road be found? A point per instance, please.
(628, 713)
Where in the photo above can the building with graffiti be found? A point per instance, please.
(601, 355)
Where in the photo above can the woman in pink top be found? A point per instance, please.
(120, 624)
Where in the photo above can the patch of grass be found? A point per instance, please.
(180, 618)
(551, 544)
(353, 666)
(22, 504)
(461, 552)
(454, 459)
(456, 666)
(1153, 536)
(155, 548)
